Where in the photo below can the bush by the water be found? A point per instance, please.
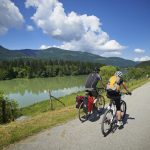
(107, 71)
(9, 109)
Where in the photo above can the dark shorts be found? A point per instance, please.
(93, 93)
(116, 97)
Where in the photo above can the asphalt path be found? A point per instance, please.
(75, 135)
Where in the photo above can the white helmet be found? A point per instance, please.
(119, 73)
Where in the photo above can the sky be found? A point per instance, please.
(108, 28)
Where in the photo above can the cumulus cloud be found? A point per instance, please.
(112, 45)
(29, 28)
(10, 16)
(138, 50)
(77, 32)
(145, 58)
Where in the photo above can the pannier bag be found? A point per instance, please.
(79, 100)
(90, 103)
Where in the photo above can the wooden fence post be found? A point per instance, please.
(51, 102)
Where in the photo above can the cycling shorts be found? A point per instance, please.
(114, 95)
(93, 93)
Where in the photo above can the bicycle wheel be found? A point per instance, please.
(123, 108)
(107, 122)
(82, 112)
(100, 103)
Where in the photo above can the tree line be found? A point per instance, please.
(31, 68)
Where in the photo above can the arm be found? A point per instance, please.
(125, 87)
(101, 82)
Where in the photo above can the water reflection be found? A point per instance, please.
(30, 91)
(29, 98)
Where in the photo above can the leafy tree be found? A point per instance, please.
(136, 73)
(107, 71)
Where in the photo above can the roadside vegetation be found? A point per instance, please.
(40, 116)
(9, 109)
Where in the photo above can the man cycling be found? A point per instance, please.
(90, 87)
(113, 90)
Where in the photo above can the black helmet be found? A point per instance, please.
(97, 69)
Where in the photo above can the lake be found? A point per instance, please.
(29, 91)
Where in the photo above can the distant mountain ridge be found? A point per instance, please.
(144, 64)
(57, 53)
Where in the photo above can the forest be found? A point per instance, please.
(33, 68)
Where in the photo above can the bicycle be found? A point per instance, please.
(98, 105)
(109, 120)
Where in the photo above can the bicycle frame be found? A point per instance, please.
(112, 106)
(98, 105)
(109, 119)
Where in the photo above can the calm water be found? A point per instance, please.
(30, 91)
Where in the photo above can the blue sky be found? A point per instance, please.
(104, 27)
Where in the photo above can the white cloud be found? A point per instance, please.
(77, 32)
(138, 50)
(10, 16)
(145, 58)
(42, 47)
(110, 54)
(29, 28)
(3, 30)
(112, 45)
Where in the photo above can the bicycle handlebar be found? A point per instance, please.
(100, 89)
(126, 93)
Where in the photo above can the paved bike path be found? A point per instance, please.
(75, 135)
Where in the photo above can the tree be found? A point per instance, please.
(107, 71)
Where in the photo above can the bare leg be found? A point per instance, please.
(118, 115)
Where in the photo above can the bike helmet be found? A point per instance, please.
(119, 73)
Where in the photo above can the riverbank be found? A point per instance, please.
(30, 91)
(41, 117)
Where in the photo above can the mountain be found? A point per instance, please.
(144, 64)
(6, 54)
(56, 53)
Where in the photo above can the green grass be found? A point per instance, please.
(41, 117)
(45, 106)
(133, 84)
(15, 131)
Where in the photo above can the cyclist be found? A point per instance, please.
(90, 87)
(113, 90)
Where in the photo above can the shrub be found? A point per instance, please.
(107, 71)
(12, 110)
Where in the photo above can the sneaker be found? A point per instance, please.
(119, 123)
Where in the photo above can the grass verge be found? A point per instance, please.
(41, 117)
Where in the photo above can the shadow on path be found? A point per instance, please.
(125, 121)
(127, 117)
(95, 116)
(115, 127)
